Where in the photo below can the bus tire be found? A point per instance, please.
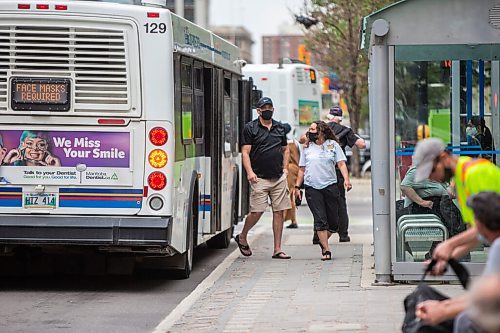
(187, 257)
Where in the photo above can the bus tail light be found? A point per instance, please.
(158, 158)
(23, 6)
(158, 136)
(42, 6)
(61, 7)
(157, 180)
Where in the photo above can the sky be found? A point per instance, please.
(259, 17)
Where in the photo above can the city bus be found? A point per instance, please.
(119, 132)
(294, 89)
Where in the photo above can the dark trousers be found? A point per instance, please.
(343, 217)
(324, 205)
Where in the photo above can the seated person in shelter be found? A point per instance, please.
(431, 197)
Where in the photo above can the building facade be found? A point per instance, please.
(240, 37)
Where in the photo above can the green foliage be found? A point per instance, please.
(335, 42)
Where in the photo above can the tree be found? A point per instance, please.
(334, 41)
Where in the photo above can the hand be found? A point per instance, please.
(443, 251)
(252, 178)
(427, 204)
(3, 152)
(347, 185)
(12, 156)
(285, 171)
(52, 161)
(297, 193)
(432, 312)
(451, 193)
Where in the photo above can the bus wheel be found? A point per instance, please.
(187, 257)
(222, 240)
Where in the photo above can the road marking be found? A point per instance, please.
(207, 283)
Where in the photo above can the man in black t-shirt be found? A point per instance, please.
(346, 138)
(265, 157)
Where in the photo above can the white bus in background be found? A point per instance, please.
(119, 128)
(294, 88)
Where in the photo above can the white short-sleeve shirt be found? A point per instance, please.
(319, 162)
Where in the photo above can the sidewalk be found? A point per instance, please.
(304, 294)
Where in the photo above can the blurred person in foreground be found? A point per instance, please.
(265, 156)
(346, 137)
(470, 176)
(486, 208)
(293, 171)
(483, 314)
(317, 170)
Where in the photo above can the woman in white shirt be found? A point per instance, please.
(317, 171)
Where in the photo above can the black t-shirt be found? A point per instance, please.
(345, 134)
(266, 155)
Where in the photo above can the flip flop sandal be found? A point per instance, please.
(328, 255)
(281, 255)
(244, 249)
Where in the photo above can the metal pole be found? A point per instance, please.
(495, 116)
(455, 104)
(379, 118)
(201, 12)
(179, 7)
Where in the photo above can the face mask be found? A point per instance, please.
(312, 136)
(483, 239)
(266, 114)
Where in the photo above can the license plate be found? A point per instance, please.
(40, 200)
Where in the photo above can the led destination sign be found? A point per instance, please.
(40, 94)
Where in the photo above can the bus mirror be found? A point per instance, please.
(256, 95)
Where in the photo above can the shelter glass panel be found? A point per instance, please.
(424, 96)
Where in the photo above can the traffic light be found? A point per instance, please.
(304, 55)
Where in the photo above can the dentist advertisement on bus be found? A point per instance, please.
(52, 157)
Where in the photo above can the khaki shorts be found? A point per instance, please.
(276, 189)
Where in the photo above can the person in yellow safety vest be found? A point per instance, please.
(471, 176)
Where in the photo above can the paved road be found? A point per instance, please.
(77, 303)
(136, 303)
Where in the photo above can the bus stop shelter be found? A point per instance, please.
(433, 72)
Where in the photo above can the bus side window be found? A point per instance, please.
(199, 103)
(187, 100)
(234, 115)
(227, 116)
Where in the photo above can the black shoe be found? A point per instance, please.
(292, 226)
(344, 239)
(315, 238)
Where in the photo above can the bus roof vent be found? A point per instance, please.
(301, 75)
(93, 57)
(154, 3)
(495, 17)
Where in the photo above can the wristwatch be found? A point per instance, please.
(297, 187)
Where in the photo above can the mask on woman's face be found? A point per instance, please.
(312, 136)
(266, 114)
